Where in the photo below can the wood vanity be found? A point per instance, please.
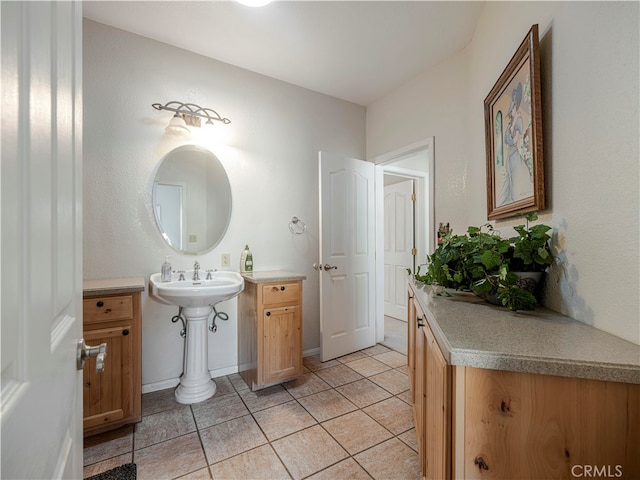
(524, 395)
(270, 328)
(112, 315)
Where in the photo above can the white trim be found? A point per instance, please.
(173, 382)
(311, 352)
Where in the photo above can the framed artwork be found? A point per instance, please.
(513, 135)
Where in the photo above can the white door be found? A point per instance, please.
(347, 255)
(41, 241)
(398, 246)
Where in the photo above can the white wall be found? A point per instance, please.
(590, 88)
(269, 151)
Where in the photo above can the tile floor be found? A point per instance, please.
(395, 334)
(346, 418)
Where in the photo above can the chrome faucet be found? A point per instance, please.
(196, 269)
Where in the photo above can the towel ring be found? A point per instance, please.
(297, 226)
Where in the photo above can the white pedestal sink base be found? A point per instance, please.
(196, 384)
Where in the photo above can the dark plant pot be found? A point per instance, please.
(528, 281)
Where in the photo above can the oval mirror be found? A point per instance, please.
(191, 199)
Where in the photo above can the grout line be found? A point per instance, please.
(237, 391)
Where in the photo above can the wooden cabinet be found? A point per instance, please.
(430, 379)
(112, 398)
(480, 423)
(529, 426)
(270, 332)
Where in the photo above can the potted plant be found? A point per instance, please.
(495, 268)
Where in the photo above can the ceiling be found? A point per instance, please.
(353, 50)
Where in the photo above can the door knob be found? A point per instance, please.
(328, 267)
(85, 351)
(317, 267)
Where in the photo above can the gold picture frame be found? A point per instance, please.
(513, 135)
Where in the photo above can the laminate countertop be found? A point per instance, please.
(112, 286)
(272, 276)
(474, 333)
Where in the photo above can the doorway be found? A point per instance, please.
(408, 167)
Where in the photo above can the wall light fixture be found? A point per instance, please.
(188, 114)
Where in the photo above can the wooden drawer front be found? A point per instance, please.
(281, 293)
(106, 309)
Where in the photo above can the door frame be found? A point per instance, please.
(425, 230)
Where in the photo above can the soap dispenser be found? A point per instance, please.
(166, 270)
(246, 260)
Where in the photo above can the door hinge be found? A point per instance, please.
(414, 197)
(414, 251)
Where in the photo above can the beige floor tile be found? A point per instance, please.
(363, 392)
(223, 386)
(326, 405)
(409, 437)
(237, 381)
(162, 426)
(403, 369)
(281, 420)
(218, 409)
(393, 359)
(308, 451)
(368, 366)
(258, 464)
(345, 470)
(106, 445)
(202, 474)
(356, 431)
(406, 397)
(338, 375)
(393, 381)
(393, 414)
(231, 438)
(306, 385)
(268, 397)
(159, 401)
(390, 460)
(376, 350)
(313, 363)
(173, 458)
(105, 465)
(351, 357)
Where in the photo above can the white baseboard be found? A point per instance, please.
(173, 382)
(311, 352)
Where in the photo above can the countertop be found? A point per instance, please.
(112, 286)
(473, 333)
(272, 276)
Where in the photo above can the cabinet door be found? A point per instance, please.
(438, 410)
(531, 426)
(282, 332)
(420, 389)
(108, 396)
(411, 342)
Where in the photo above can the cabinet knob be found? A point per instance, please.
(125, 332)
(268, 314)
(282, 289)
(100, 304)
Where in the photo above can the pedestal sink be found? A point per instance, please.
(197, 298)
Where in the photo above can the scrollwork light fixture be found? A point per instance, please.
(189, 114)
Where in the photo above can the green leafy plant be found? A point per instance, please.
(484, 262)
